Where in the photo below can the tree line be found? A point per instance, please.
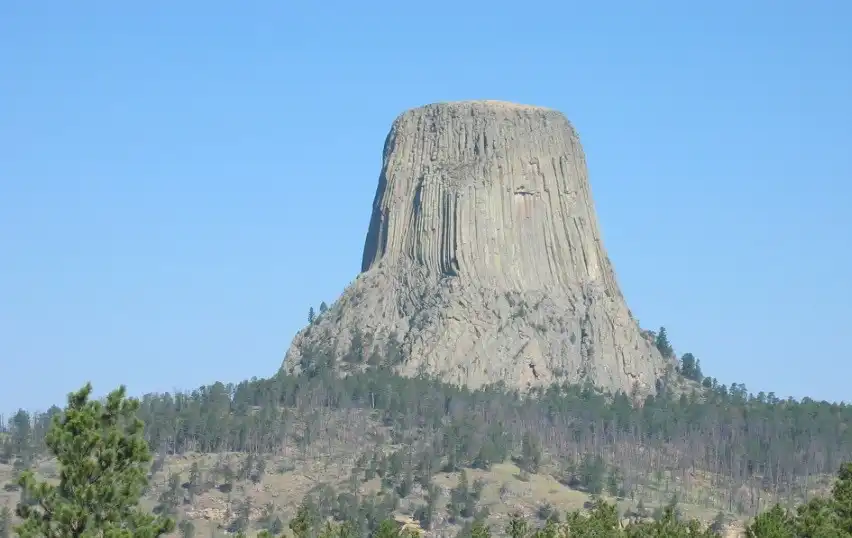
(754, 448)
(104, 462)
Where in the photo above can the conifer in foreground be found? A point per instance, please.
(103, 464)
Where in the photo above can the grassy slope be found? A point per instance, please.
(293, 473)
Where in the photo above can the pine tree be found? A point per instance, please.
(530, 453)
(306, 519)
(517, 526)
(613, 482)
(480, 530)
(103, 461)
(690, 367)
(194, 481)
(774, 523)
(663, 344)
(386, 529)
(311, 315)
(171, 498)
(841, 496)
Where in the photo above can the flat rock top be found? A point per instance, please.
(468, 120)
(490, 103)
(483, 104)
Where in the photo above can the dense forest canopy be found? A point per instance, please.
(103, 461)
(752, 445)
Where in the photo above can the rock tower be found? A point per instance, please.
(483, 261)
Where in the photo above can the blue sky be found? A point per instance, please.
(180, 181)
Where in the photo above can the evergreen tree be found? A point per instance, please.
(592, 472)
(459, 499)
(259, 471)
(663, 344)
(311, 315)
(194, 481)
(276, 526)
(306, 519)
(517, 526)
(171, 498)
(690, 367)
(387, 529)
(480, 530)
(641, 511)
(613, 482)
(775, 523)
(103, 462)
(21, 438)
(530, 453)
(841, 496)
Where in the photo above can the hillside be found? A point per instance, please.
(260, 447)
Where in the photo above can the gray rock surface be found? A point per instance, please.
(483, 261)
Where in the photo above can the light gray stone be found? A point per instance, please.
(483, 261)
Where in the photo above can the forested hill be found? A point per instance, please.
(748, 447)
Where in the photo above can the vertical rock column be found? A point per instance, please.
(483, 260)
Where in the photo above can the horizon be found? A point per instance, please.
(181, 183)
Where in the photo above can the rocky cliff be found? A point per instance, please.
(483, 261)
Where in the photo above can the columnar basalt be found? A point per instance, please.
(483, 261)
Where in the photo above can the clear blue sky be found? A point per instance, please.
(180, 181)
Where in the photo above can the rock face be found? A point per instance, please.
(483, 261)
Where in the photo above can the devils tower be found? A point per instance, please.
(483, 261)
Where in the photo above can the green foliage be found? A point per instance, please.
(614, 483)
(461, 428)
(242, 520)
(663, 344)
(171, 498)
(425, 514)
(103, 461)
(357, 348)
(327, 530)
(517, 526)
(306, 520)
(530, 459)
(544, 511)
(841, 495)
(591, 474)
(690, 367)
(767, 441)
(818, 518)
(463, 499)
(480, 530)
(387, 529)
(601, 521)
(775, 523)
